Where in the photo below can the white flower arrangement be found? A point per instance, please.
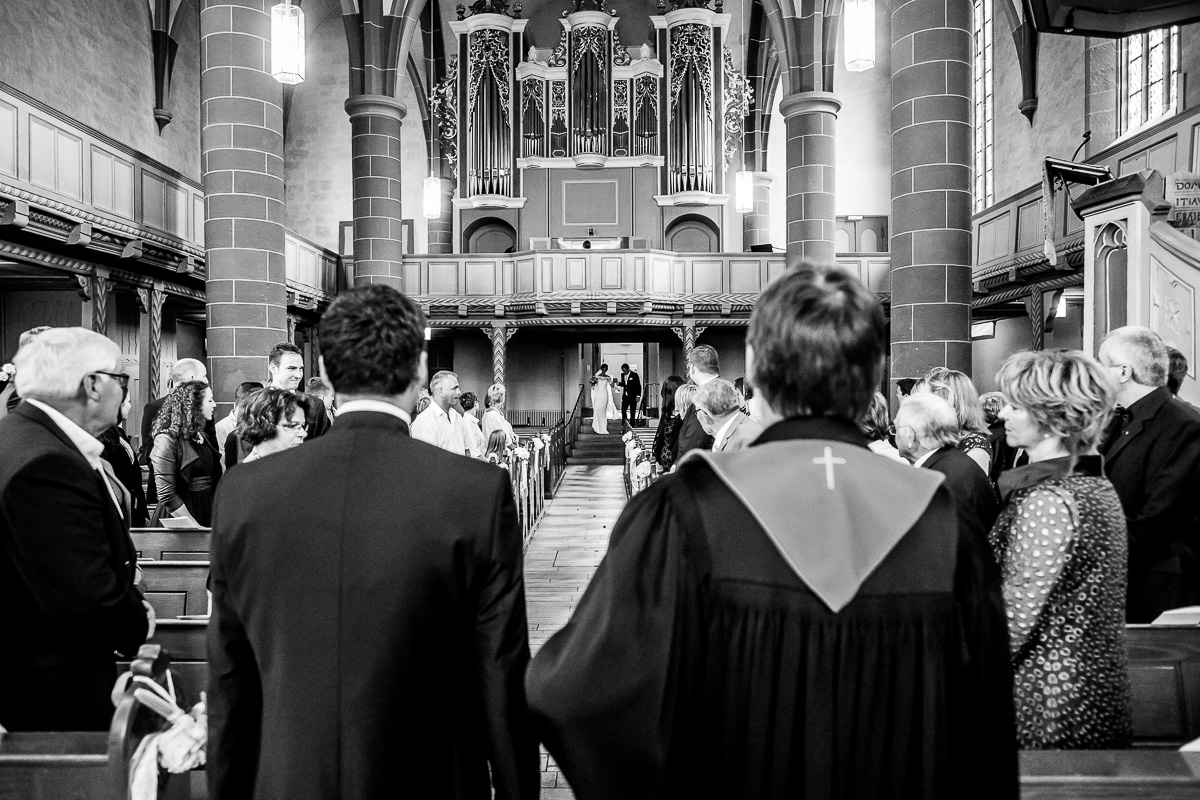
(642, 470)
(8, 371)
(522, 453)
(537, 444)
(627, 437)
(631, 448)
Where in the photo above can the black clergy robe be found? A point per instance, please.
(858, 650)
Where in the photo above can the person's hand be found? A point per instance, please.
(150, 618)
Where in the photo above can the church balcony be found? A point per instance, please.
(640, 287)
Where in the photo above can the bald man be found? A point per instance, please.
(185, 369)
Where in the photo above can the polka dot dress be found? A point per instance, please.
(1062, 549)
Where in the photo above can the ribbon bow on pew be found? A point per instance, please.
(177, 748)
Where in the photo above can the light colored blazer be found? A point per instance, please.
(742, 431)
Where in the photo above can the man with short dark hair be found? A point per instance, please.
(702, 367)
(232, 448)
(469, 425)
(1177, 370)
(285, 370)
(1152, 456)
(631, 394)
(368, 634)
(802, 618)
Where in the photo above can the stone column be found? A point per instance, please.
(810, 119)
(241, 143)
(931, 187)
(441, 230)
(756, 225)
(375, 146)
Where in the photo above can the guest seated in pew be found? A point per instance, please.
(118, 452)
(798, 619)
(368, 636)
(1061, 545)
(187, 463)
(67, 565)
(271, 421)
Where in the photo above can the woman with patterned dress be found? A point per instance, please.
(663, 449)
(959, 391)
(1061, 543)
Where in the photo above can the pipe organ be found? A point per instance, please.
(674, 105)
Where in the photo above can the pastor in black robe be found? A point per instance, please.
(798, 619)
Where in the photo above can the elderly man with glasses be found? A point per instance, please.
(67, 564)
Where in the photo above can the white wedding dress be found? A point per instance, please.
(603, 408)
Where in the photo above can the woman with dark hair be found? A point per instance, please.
(1062, 544)
(874, 424)
(663, 450)
(120, 456)
(271, 420)
(186, 463)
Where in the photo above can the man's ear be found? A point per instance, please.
(423, 369)
(324, 374)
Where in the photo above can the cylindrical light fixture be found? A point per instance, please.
(432, 197)
(287, 43)
(858, 20)
(743, 192)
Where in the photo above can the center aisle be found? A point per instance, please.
(563, 554)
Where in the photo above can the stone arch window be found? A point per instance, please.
(693, 234)
(985, 192)
(489, 235)
(1148, 77)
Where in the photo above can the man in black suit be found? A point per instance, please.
(285, 370)
(926, 432)
(702, 367)
(67, 564)
(184, 370)
(368, 635)
(1152, 456)
(631, 394)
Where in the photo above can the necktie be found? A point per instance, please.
(116, 492)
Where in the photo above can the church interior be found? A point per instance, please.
(561, 184)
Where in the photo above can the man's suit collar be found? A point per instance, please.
(353, 420)
(836, 429)
(1020, 478)
(1141, 412)
(35, 414)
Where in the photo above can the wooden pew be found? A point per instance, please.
(1164, 669)
(176, 588)
(1109, 774)
(162, 544)
(91, 765)
(187, 642)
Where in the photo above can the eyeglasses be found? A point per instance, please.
(292, 426)
(119, 377)
(893, 428)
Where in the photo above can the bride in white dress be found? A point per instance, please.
(603, 408)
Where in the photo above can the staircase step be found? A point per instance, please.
(592, 460)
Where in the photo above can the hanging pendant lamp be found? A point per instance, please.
(858, 20)
(287, 43)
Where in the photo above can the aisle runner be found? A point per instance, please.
(565, 550)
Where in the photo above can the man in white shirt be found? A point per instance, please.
(226, 425)
(440, 424)
(718, 408)
(471, 432)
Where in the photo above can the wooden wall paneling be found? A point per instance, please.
(639, 274)
(576, 272)
(506, 275)
(707, 277)
(680, 280)
(9, 157)
(744, 277)
(610, 272)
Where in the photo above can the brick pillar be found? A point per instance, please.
(241, 143)
(441, 230)
(931, 187)
(810, 118)
(756, 225)
(375, 146)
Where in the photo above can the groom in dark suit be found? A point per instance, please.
(368, 633)
(67, 565)
(631, 394)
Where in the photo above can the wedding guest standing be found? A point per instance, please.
(957, 389)
(798, 619)
(875, 426)
(1061, 545)
(187, 464)
(1152, 456)
(663, 449)
(271, 421)
(368, 637)
(119, 454)
(702, 366)
(493, 417)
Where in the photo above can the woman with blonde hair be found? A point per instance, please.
(685, 395)
(1061, 542)
(493, 418)
(959, 391)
